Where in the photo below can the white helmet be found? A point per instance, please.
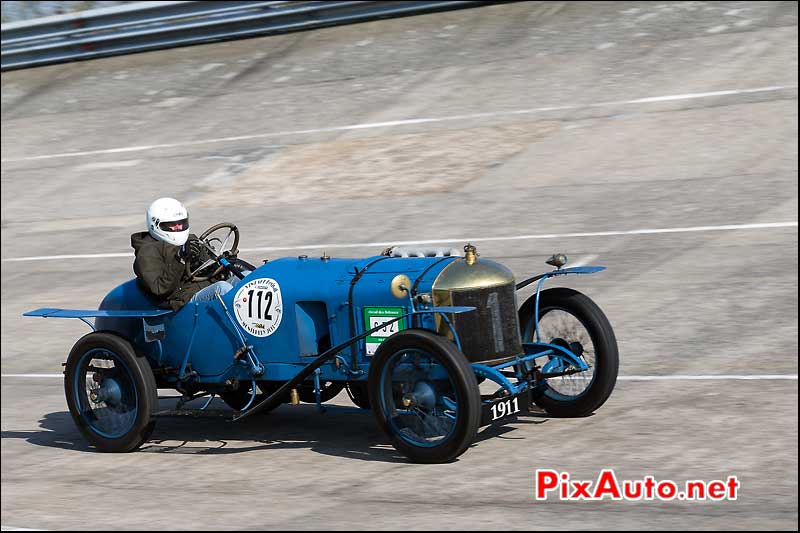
(168, 221)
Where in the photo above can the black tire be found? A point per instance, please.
(606, 353)
(131, 396)
(239, 397)
(268, 388)
(461, 384)
(329, 391)
(359, 394)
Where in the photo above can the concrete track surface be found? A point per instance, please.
(554, 120)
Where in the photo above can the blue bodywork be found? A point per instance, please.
(322, 311)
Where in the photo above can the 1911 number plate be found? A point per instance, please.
(506, 408)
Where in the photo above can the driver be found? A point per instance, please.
(161, 255)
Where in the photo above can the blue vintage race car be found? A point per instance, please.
(413, 334)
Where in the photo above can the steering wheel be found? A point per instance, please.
(213, 250)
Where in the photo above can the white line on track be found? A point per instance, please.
(329, 246)
(69, 256)
(33, 376)
(667, 377)
(710, 377)
(412, 121)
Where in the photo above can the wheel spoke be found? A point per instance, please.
(562, 328)
(225, 242)
(438, 425)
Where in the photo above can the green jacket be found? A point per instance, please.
(160, 272)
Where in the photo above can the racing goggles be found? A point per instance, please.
(175, 225)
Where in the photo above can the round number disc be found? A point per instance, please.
(258, 306)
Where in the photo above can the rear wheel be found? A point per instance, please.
(238, 398)
(424, 396)
(572, 321)
(111, 393)
(328, 391)
(358, 393)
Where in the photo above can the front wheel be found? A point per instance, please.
(424, 396)
(572, 321)
(111, 393)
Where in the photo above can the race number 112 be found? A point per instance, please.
(262, 296)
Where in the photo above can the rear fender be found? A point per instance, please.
(84, 314)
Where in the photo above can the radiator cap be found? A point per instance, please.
(480, 274)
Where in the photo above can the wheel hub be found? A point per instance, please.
(109, 392)
(423, 396)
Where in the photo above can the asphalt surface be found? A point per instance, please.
(550, 119)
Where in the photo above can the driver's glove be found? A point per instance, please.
(190, 249)
(183, 253)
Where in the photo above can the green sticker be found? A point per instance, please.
(374, 317)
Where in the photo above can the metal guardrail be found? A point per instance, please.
(144, 26)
